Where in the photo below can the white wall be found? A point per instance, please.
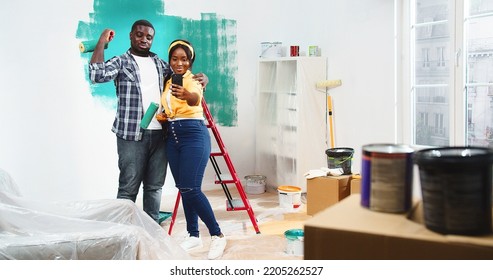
(56, 140)
(356, 36)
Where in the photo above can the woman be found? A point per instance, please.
(188, 146)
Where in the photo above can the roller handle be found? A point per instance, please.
(331, 124)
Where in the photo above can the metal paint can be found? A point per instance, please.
(255, 184)
(387, 177)
(294, 51)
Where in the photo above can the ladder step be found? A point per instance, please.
(225, 178)
(237, 205)
(216, 151)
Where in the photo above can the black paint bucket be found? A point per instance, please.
(340, 158)
(456, 185)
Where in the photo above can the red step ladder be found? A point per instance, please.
(223, 179)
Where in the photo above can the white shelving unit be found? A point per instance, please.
(291, 123)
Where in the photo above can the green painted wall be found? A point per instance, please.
(213, 37)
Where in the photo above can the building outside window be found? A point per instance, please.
(455, 86)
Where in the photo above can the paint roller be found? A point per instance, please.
(149, 114)
(90, 45)
(328, 84)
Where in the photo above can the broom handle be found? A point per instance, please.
(331, 126)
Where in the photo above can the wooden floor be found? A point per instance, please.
(243, 242)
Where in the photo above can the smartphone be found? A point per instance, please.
(177, 79)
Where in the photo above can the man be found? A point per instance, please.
(139, 78)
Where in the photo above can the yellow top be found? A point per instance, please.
(179, 108)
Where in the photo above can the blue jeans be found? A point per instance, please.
(188, 146)
(143, 162)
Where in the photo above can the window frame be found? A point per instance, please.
(457, 132)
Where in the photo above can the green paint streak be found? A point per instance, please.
(216, 54)
(213, 37)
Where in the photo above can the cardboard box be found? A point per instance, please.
(322, 192)
(355, 185)
(348, 231)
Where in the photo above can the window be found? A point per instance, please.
(426, 57)
(478, 42)
(439, 129)
(441, 56)
(469, 114)
(453, 84)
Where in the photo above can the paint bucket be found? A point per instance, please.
(289, 197)
(270, 49)
(387, 177)
(456, 186)
(294, 241)
(313, 51)
(294, 51)
(255, 184)
(340, 158)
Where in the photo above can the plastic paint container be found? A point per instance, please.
(313, 51)
(456, 185)
(255, 184)
(340, 158)
(289, 197)
(387, 177)
(294, 241)
(270, 49)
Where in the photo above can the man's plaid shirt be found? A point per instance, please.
(124, 71)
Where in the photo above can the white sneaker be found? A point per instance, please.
(217, 247)
(191, 242)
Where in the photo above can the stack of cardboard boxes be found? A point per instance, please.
(322, 192)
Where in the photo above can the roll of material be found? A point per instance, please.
(89, 46)
(149, 114)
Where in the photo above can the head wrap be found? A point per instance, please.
(180, 42)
